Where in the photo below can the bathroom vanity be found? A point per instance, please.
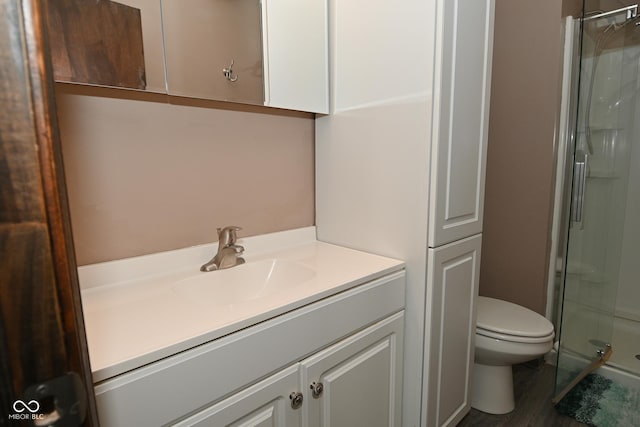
(316, 337)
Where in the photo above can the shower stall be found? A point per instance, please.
(597, 263)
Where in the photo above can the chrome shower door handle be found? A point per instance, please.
(580, 173)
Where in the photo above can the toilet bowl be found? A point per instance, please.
(506, 334)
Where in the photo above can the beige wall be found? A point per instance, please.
(144, 175)
(521, 155)
(572, 7)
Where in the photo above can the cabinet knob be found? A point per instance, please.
(296, 399)
(316, 389)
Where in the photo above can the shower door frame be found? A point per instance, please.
(570, 187)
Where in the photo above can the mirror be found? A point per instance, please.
(107, 43)
(264, 52)
(214, 49)
(150, 14)
(267, 52)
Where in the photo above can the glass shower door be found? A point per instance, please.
(605, 126)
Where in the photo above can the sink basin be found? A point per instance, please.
(246, 282)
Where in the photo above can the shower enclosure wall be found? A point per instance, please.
(598, 297)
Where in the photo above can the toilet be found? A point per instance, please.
(506, 334)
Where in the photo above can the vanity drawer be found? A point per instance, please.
(181, 384)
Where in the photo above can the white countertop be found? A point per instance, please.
(133, 315)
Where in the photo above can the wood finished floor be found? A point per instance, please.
(533, 387)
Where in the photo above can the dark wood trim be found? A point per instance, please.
(41, 328)
(55, 194)
(163, 98)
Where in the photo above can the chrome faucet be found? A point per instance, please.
(228, 252)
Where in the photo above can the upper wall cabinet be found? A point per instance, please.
(265, 52)
(269, 52)
(296, 54)
(107, 43)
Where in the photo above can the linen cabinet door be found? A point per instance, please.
(358, 381)
(461, 119)
(266, 404)
(453, 284)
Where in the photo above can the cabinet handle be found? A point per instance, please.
(316, 389)
(296, 399)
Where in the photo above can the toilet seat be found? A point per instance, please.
(510, 322)
(514, 338)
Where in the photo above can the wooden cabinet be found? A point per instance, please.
(453, 283)
(356, 382)
(461, 120)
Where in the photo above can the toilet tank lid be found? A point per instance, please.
(512, 319)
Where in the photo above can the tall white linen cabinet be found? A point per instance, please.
(400, 166)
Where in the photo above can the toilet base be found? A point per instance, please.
(492, 389)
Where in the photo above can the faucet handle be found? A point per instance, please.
(227, 235)
(237, 248)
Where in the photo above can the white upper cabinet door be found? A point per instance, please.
(295, 54)
(460, 119)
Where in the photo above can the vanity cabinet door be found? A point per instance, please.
(360, 379)
(266, 403)
(453, 284)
